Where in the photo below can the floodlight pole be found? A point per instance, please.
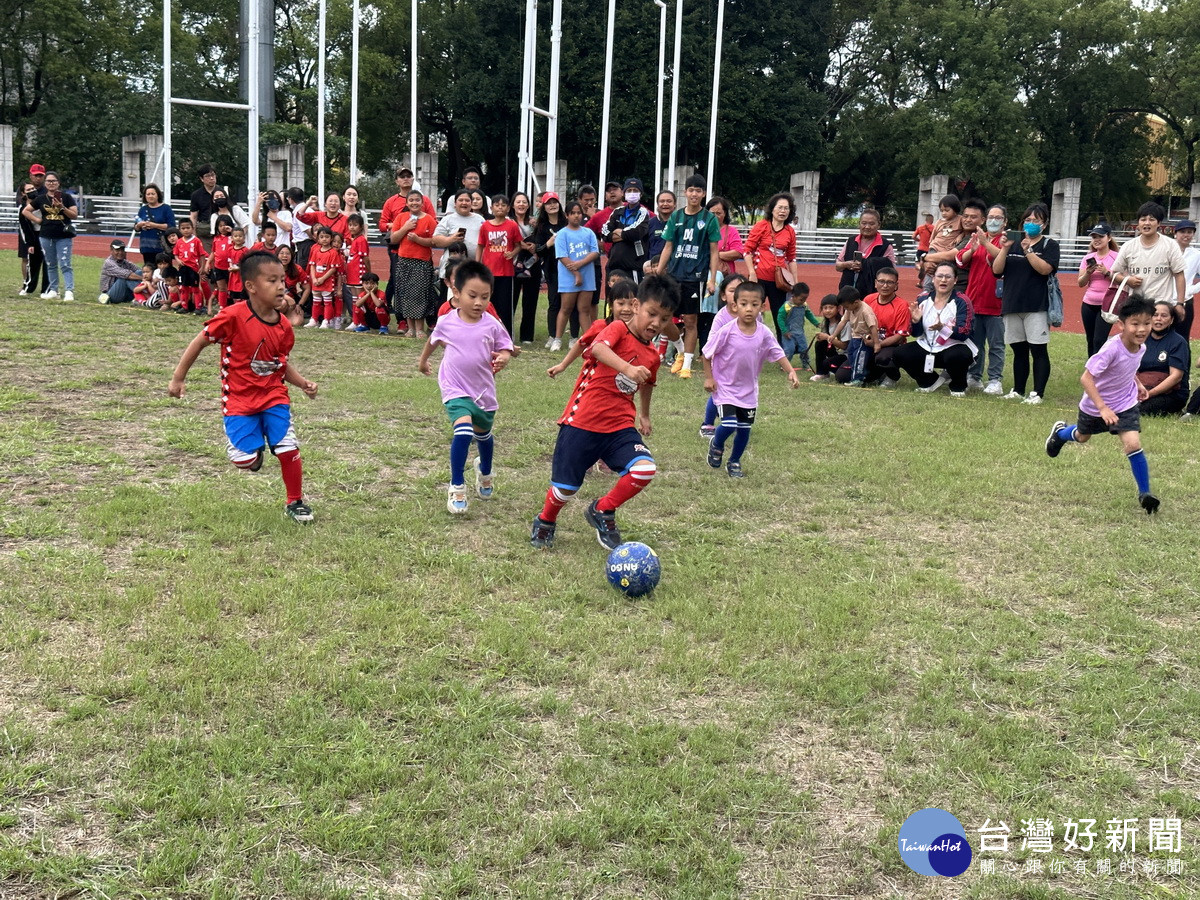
(608, 73)
(658, 114)
(354, 93)
(710, 173)
(321, 101)
(675, 92)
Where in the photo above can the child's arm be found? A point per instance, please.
(808, 315)
(1089, 388)
(500, 359)
(710, 383)
(605, 355)
(663, 255)
(793, 378)
(423, 363)
(190, 354)
(643, 419)
(573, 354)
(781, 321)
(291, 376)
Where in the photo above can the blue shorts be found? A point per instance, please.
(269, 428)
(577, 450)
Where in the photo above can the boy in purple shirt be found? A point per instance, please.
(733, 357)
(476, 346)
(1112, 394)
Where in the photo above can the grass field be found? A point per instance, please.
(905, 604)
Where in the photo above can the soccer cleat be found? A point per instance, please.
(605, 524)
(994, 389)
(941, 379)
(1054, 443)
(103, 298)
(555, 345)
(68, 295)
(312, 323)
(707, 431)
(483, 483)
(456, 499)
(298, 511)
(1013, 395)
(677, 366)
(714, 454)
(1149, 503)
(685, 373)
(735, 470)
(257, 464)
(886, 382)
(1033, 399)
(49, 295)
(541, 535)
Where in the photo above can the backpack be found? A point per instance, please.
(1054, 311)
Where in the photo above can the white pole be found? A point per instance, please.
(608, 73)
(166, 151)
(712, 128)
(552, 132)
(532, 136)
(354, 94)
(253, 89)
(412, 106)
(321, 102)
(658, 115)
(675, 93)
(526, 100)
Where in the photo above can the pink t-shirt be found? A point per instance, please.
(1099, 287)
(737, 358)
(466, 369)
(1115, 370)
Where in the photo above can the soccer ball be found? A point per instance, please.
(633, 569)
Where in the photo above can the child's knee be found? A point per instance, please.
(1131, 441)
(643, 470)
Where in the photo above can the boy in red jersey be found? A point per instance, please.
(236, 253)
(324, 264)
(598, 423)
(189, 257)
(256, 338)
(371, 298)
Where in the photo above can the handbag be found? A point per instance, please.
(1109, 311)
(784, 278)
(1054, 308)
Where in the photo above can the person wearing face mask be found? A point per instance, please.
(270, 207)
(1027, 267)
(975, 258)
(628, 230)
(223, 206)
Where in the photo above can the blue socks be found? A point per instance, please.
(459, 445)
(723, 432)
(710, 411)
(1067, 434)
(740, 439)
(1141, 470)
(486, 447)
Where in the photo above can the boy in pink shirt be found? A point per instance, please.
(476, 346)
(733, 357)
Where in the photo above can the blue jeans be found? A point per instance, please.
(796, 344)
(58, 256)
(121, 290)
(988, 330)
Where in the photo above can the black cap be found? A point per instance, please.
(1103, 230)
(116, 245)
(635, 183)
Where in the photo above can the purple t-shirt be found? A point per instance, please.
(1115, 370)
(466, 369)
(737, 358)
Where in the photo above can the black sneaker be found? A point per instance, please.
(541, 535)
(1149, 503)
(298, 511)
(715, 454)
(605, 524)
(258, 461)
(1054, 443)
(735, 470)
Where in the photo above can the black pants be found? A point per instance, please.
(1184, 326)
(35, 261)
(1021, 351)
(828, 359)
(703, 328)
(1162, 405)
(1094, 327)
(525, 295)
(502, 299)
(955, 359)
(884, 364)
(775, 296)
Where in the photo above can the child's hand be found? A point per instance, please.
(710, 384)
(643, 424)
(554, 371)
(821, 336)
(500, 360)
(1143, 392)
(512, 254)
(424, 368)
(175, 388)
(1110, 417)
(578, 279)
(793, 379)
(638, 374)
(787, 334)
(309, 388)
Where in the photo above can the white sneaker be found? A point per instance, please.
(337, 324)
(23, 293)
(68, 295)
(1186, 417)
(484, 484)
(1033, 399)
(103, 298)
(994, 389)
(572, 343)
(974, 384)
(958, 394)
(819, 378)
(326, 325)
(548, 344)
(886, 382)
(555, 345)
(49, 295)
(941, 379)
(1013, 395)
(311, 323)
(456, 499)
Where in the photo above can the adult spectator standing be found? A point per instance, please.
(223, 206)
(729, 251)
(864, 255)
(975, 258)
(118, 276)
(895, 322)
(628, 230)
(351, 205)
(330, 217)
(54, 210)
(1095, 274)
(270, 207)
(471, 180)
(941, 324)
(392, 207)
(1164, 366)
(527, 283)
(1185, 232)
(202, 200)
(459, 225)
(293, 202)
(664, 205)
(1154, 263)
(770, 253)
(29, 248)
(1027, 268)
(922, 236)
(152, 220)
(550, 221)
(593, 220)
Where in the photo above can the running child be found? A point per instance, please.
(370, 298)
(237, 252)
(477, 346)
(622, 298)
(724, 317)
(189, 259)
(733, 358)
(598, 422)
(1111, 394)
(256, 338)
(323, 265)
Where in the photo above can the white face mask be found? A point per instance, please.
(994, 226)
(632, 197)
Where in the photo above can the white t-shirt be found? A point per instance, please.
(1156, 265)
(1191, 271)
(450, 223)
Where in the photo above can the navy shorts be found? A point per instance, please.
(188, 277)
(744, 415)
(1129, 420)
(577, 450)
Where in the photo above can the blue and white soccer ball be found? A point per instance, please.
(633, 569)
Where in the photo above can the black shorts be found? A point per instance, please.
(235, 296)
(1129, 420)
(689, 299)
(188, 277)
(577, 450)
(221, 275)
(743, 415)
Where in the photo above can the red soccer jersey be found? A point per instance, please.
(235, 259)
(295, 278)
(254, 356)
(496, 240)
(602, 399)
(335, 223)
(189, 252)
(893, 318)
(321, 261)
(589, 337)
(220, 252)
(260, 247)
(373, 299)
(357, 262)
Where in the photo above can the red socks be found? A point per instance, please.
(554, 504)
(628, 485)
(293, 477)
(222, 299)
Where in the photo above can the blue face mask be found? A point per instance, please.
(1033, 229)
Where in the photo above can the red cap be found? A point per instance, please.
(549, 195)
(37, 169)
